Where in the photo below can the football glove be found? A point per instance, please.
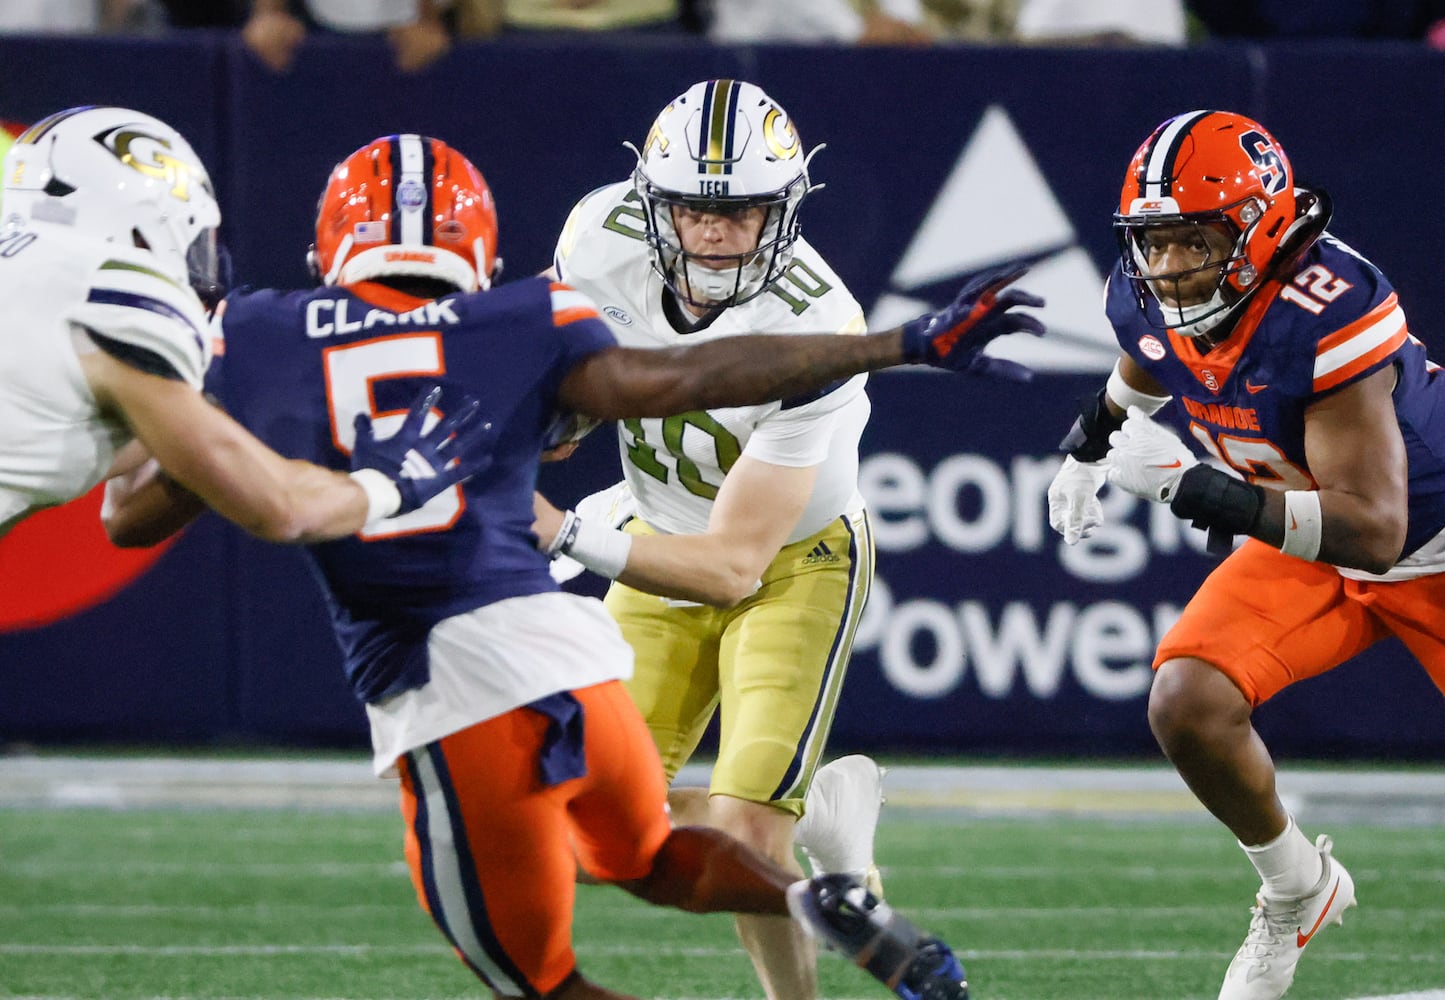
(1074, 508)
(614, 506)
(421, 465)
(1147, 459)
(954, 337)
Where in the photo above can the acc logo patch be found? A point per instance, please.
(618, 316)
(1151, 347)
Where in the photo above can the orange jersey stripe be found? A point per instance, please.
(1354, 348)
(570, 305)
(561, 317)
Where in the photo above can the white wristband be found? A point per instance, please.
(600, 548)
(382, 496)
(1303, 524)
(1125, 395)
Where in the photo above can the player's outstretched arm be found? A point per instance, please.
(746, 370)
(274, 498)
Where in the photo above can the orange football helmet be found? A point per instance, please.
(1208, 168)
(406, 205)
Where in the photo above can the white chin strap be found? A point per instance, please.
(721, 285)
(1195, 321)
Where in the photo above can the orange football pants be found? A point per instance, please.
(491, 848)
(1267, 620)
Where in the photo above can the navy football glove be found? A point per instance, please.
(424, 465)
(955, 336)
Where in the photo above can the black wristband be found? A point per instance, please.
(1209, 498)
(1088, 439)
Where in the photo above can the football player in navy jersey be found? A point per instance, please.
(108, 265)
(1288, 356)
(495, 696)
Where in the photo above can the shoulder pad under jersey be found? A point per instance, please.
(614, 207)
(130, 300)
(809, 297)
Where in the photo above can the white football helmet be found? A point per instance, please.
(121, 176)
(721, 146)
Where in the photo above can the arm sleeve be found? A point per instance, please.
(143, 318)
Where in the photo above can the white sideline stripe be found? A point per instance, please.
(730, 953)
(342, 869)
(928, 913)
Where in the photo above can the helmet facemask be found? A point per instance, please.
(715, 280)
(1222, 250)
(722, 147)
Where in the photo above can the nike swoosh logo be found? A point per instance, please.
(1293, 524)
(1301, 938)
(1172, 465)
(1251, 388)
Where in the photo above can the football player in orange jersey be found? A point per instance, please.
(495, 697)
(1289, 356)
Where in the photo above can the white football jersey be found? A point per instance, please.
(54, 442)
(675, 465)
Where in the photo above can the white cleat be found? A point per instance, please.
(840, 819)
(1263, 968)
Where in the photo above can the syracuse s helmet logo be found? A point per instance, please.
(1267, 160)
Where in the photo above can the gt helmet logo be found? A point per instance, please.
(781, 137)
(150, 155)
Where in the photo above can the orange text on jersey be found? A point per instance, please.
(1231, 417)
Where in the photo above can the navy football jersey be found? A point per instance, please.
(1335, 322)
(296, 369)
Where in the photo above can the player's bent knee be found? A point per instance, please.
(1194, 701)
(1166, 700)
(761, 825)
(678, 869)
(702, 870)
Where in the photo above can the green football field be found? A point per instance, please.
(220, 901)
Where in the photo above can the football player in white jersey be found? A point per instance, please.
(754, 610)
(107, 248)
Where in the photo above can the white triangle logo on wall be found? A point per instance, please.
(970, 227)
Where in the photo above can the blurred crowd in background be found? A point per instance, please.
(421, 31)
